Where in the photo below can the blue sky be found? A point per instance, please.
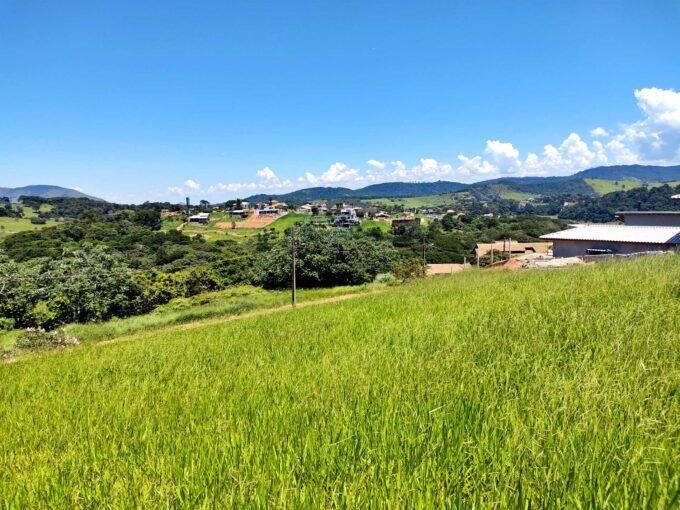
(141, 100)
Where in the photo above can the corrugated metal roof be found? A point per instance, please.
(619, 233)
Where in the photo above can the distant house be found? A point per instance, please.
(643, 231)
(203, 217)
(268, 211)
(347, 218)
(514, 248)
(238, 212)
(382, 216)
(406, 221)
(305, 209)
(435, 269)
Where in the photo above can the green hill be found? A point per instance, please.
(485, 389)
(644, 173)
(604, 186)
(43, 191)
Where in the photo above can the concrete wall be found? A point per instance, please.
(571, 248)
(652, 220)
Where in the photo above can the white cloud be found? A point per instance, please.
(599, 132)
(339, 173)
(662, 107)
(474, 166)
(77, 188)
(504, 156)
(192, 185)
(654, 139)
(267, 174)
(620, 153)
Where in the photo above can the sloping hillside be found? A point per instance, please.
(644, 173)
(505, 187)
(43, 191)
(562, 389)
(386, 189)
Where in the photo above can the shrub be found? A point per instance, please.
(387, 278)
(325, 257)
(408, 269)
(38, 221)
(6, 323)
(38, 338)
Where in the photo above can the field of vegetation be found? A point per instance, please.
(208, 305)
(561, 390)
(604, 186)
(445, 199)
(220, 227)
(10, 225)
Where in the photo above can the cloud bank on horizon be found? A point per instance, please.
(655, 139)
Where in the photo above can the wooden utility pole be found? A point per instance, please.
(492, 252)
(293, 297)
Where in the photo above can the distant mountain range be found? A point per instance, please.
(504, 186)
(571, 184)
(385, 189)
(43, 191)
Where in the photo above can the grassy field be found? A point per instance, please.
(562, 390)
(226, 303)
(219, 226)
(604, 186)
(385, 226)
(13, 225)
(417, 202)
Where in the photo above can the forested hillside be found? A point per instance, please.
(602, 209)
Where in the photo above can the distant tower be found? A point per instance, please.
(188, 207)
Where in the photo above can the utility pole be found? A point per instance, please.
(492, 251)
(293, 296)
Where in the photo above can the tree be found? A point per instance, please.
(150, 218)
(409, 269)
(89, 284)
(325, 257)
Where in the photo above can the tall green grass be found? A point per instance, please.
(485, 389)
(209, 305)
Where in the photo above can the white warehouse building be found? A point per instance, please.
(643, 231)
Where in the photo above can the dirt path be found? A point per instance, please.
(231, 318)
(208, 322)
(257, 221)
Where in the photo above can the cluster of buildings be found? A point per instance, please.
(641, 231)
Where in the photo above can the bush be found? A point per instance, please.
(6, 323)
(38, 221)
(408, 269)
(387, 278)
(38, 338)
(325, 257)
